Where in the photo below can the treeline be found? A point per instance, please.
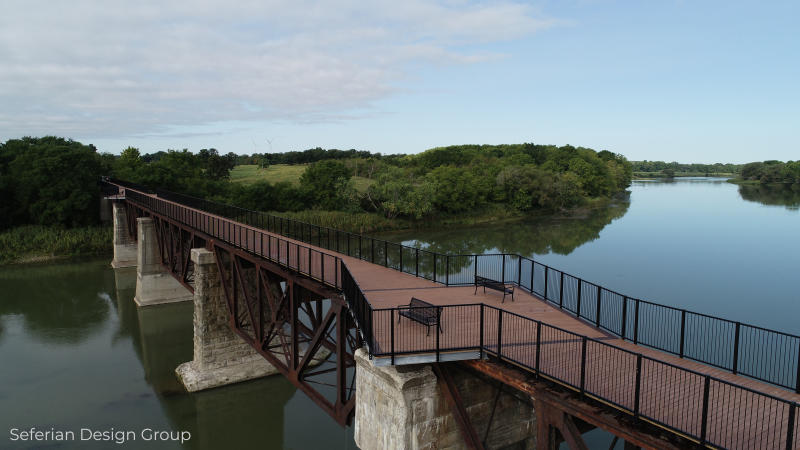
(53, 181)
(305, 157)
(681, 168)
(449, 180)
(771, 172)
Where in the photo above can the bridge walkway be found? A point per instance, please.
(737, 418)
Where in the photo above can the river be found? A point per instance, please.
(75, 352)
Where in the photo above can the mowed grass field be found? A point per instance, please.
(251, 173)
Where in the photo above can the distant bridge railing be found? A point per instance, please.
(760, 353)
(308, 261)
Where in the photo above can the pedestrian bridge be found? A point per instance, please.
(655, 375)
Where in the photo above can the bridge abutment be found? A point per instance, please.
(221, 357)
(153, 284)
(124, 246)
(405, 407)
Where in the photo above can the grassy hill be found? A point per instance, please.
(251, 173)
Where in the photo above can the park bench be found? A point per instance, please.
(422, 312)
(494, 284)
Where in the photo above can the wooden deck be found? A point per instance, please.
(669, 396)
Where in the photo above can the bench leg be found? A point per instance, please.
(429, 330)
(476, 290)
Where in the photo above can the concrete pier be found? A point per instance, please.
(153, 284)
(403, 407)
(220, 356)
(124, 246)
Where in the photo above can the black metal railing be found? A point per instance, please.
(308, 261)
(763, 354)
(766, 355)
(705, 408)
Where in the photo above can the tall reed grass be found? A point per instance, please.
(34, 242)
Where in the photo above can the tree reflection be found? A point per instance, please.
(786, 195)
(560, 235)
(58, 304)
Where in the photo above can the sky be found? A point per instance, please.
(689, 81)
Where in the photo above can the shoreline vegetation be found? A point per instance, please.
(37, 243)
(52, 182)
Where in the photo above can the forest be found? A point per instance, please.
(771, 172)
(671, 169)
(53, 182)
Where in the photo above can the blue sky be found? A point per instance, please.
(692, 81)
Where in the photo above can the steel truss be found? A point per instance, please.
(301, 326)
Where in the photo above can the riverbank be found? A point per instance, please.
(366, 223)
(34, 243)
(661, 175)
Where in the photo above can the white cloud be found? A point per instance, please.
(116, 68)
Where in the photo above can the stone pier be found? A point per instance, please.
(220, 356)
(153, 284)
(124, 246)
(403, 407)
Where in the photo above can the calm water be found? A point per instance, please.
(702, 244)
(75, 352)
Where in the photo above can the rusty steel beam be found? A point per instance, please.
(552, 396)
(250, 286)
(448, 387)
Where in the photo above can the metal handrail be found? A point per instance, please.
(637, 406)
(763, 354)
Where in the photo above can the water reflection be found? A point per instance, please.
(560, 235)
(36, 294)
(785, 195)
(77, 340)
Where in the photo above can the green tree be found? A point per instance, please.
(49, 181)
(327, 185)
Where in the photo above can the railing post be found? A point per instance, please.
(704, 425)
(624, 317)
(561, 291)
(797, 379)
(391, 332)
(597, 311)
(638, 385)
(519, 270)
(533, 267)
(476, 268)
(546, 269)
(503, 273)
(683, 331)
(401, 258)
(436, 330)
(790, 426)
(583, 364)
(447, 271)
(434, 267)
(636, 322)
(480, 351)
(578, 309)
(416, 261)
(499, 332)
(538, 344)
(736, 349)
